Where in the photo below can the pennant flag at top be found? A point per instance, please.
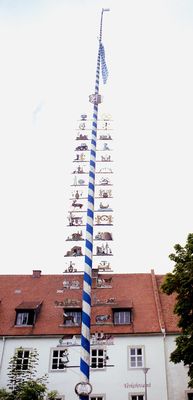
(103, 64)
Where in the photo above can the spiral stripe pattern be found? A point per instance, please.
(87, 281)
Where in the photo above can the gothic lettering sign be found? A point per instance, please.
(135, 385)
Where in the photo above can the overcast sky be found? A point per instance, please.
(47, 71)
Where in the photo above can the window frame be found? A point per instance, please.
(104, 357)
(58, 397)
(122, 310)
(58, 362)
(23, 350)
(70, 312)
(136, 394)
(142, 347)
(188, 392)
(30, 315)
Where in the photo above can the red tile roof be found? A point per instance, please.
(28, 305)
(151, 309)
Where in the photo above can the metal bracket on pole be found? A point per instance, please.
(84, 388)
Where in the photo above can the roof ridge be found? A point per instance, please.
(157, 302)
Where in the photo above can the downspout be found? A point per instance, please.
(165, 361)
(2, 354)
(161, 323)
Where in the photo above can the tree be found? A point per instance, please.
(180, 282)
(31, 390)
(52, 395)
(5, 395)
(22, 372)
(22, 382)
(22, 367)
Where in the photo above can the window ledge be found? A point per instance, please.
(57, 370)
(69, 326)
(98, 369)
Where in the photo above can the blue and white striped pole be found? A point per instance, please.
(87, 281)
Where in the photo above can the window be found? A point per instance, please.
(27, 312)
(98, 358)
(72, 317)
(136, 357)
(97, 397)
(136, 397)
(25, 317)
(57, 397)
(22, 361)
(122, 317)
(59, 359)
(190, 395)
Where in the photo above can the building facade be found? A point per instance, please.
(133, 331)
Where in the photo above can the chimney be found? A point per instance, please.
(36, 273)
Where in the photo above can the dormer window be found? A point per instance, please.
(122, 316)
(72, 317)
(122, 312)
(25, 317)
(26, 313)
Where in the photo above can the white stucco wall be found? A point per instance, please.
(116, 382)
(177, 373)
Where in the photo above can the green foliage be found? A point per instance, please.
(5, 395)
(21, 370)
(31, 390)
(52, 395)
(22, 382)
(180, 282)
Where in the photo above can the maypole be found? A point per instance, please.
(83, 389)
